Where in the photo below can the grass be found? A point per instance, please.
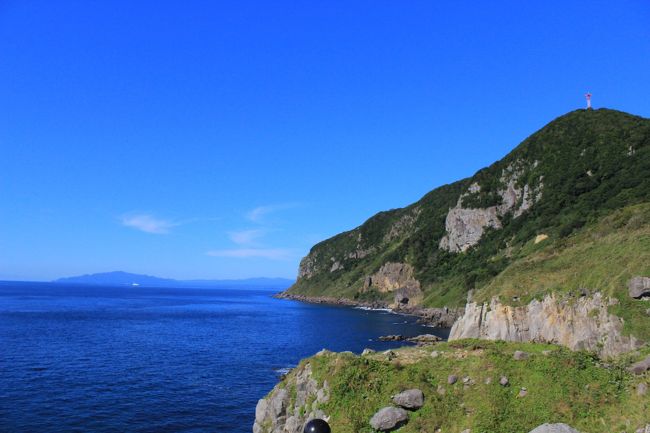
(602, 257)
(563, 386)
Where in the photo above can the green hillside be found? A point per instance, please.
(583, 180)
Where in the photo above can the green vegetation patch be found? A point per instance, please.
(561, 386)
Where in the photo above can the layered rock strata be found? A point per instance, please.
(580, 324)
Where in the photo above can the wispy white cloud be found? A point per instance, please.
(248, 253)
(257, 215)
(246, 237)
(148, 223)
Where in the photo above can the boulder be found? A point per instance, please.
(520, 356)
(389, 418)
(367, 352)
(523, 392)
(639, 287)
(554, 428)
(642, 389)
(641, 366)
(504, 381)
(409, 399)
(451, 379)
(645, 429)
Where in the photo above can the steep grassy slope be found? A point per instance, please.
(563, 181)
(603, 256)
(561, 386)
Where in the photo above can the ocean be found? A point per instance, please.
(118, 359)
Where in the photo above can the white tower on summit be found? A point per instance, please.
(588, 96)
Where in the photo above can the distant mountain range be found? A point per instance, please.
(119, 278)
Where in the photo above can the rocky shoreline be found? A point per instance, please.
(435, 317)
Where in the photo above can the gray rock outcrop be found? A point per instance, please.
(389, 418)
(307, 267)
(407, 297)
(554, 428)
(465, 226)
(440, 317)
(409, 399)
(282, 412)
(579, 324)
(392, 276)
(639, 287)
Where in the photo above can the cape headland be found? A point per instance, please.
(540, 264)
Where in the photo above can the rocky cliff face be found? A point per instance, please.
(580, 324)
(465, 225)
(292, 403)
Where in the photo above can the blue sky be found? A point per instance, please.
(202, 139)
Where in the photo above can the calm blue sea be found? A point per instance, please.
(102, 359)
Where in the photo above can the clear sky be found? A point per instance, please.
(216, 139)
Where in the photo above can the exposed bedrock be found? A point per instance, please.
(580, 324)
(291, 405)
(465, 225)
(390, 277)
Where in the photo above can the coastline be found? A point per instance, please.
(435, 317)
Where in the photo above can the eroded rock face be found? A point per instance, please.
(580, 324)
(307, 267)
(440, 317)
(407, 297)
(465, 226)
(280, 413)
(392, 276)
